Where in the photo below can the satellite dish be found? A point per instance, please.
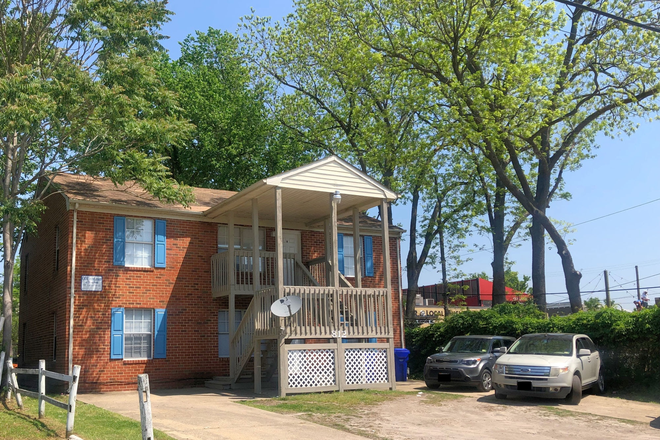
(286, 306)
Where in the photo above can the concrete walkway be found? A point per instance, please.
(204, 414)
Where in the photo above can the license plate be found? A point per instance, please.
(524, 386)
(444, 377)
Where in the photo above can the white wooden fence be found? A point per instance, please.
(72, 380)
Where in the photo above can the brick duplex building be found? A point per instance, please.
(121, 284)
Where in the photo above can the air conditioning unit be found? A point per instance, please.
(419, 301)
(429, 302)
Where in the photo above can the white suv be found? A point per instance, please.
(554, 365)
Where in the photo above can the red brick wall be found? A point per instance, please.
(183, 288)
(44, 291)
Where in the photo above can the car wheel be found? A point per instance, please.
(500, 395)
(485, 381)
(599, 386)
(433, 386)
(575, 395)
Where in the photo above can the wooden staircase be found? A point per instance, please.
(246, 377)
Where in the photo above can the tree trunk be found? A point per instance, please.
(571, 276)
(7, 290)
(538, 263)
(445, 283)
(499, 251)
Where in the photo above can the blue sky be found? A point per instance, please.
(623, 174)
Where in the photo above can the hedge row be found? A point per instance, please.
(629, 343)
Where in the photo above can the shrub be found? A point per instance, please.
(629, 343)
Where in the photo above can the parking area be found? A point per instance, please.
(421, 414)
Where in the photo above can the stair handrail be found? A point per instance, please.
(307, 273)
(243, 341)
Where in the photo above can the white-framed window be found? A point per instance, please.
(349, 256)
(223, 330)
(242, 238)
(139, 242)
(138, 334)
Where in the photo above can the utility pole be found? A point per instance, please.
(608, 302)
(639, 297)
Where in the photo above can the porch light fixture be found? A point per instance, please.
(336, 197)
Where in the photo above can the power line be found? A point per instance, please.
(608, 15)
(617, 212)
(573, 225)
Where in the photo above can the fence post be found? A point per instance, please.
(73, 392)
(13, 383)
(145, 407)
(42, 388)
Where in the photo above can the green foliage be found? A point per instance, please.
(593, 304)
(236, 140)
(629, 343)
(80, 93)
(513, 280)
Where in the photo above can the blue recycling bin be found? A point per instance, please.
(401, 364)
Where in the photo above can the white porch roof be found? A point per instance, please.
(306, 194)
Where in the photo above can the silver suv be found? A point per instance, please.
(554, 365)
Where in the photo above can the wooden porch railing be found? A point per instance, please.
(359, 313)
(295, 274)
(326, 312)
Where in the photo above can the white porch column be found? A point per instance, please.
(279, 254)
(283, 371)
(231, 267)
(333, 240)
(256, 286)
(340, 369)
(357, 249)
(388, 285)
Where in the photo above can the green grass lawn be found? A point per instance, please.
(91, 423)
(347, 403)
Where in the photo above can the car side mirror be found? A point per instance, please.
(584, 352)
(500, 350)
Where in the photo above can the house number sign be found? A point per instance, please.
(339, 333)
(92, 283)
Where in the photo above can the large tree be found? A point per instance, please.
(344, 99)
(80, 93)
(236, 140)
(526, 82)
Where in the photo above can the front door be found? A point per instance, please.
(291, 249)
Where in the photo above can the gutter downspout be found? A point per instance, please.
(73, 287)
(403, 335)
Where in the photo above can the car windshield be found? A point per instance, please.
(552, 345)
(467, 345)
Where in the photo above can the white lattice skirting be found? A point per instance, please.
(311, 368)
(366, 365)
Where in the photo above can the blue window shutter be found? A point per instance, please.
(340, 252)
(117, 334)
(160, 334)
(120, 240)
(368, 256)
(160, 243)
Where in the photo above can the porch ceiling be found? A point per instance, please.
(306, 193)
(298, 206)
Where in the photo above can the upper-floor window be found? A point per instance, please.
(243, 238)
(139, 242)
(346, 254)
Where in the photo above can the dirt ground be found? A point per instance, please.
(474, 415)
